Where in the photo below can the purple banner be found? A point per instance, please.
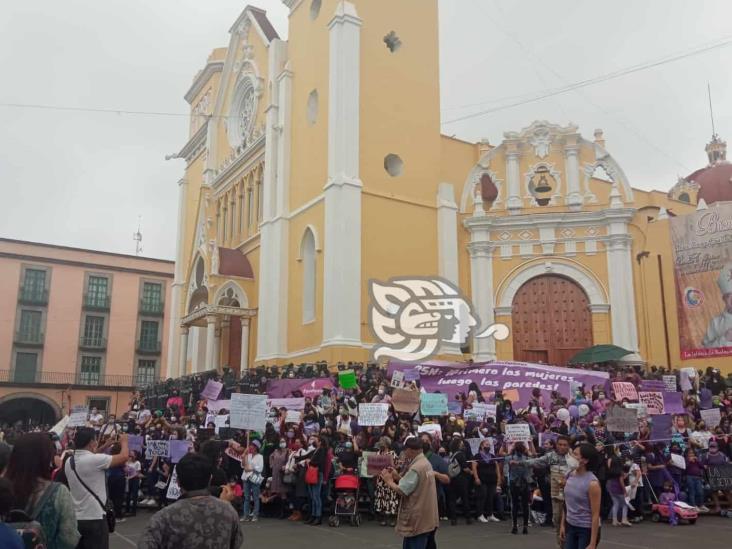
(514, 378)
(178, 449)
(653, 385)
(672, 403)
(134, 443)
(212, 390)
(283, 388)
(661, 427)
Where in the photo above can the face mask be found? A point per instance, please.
(381, 392)
(349, 445)
(283, 445)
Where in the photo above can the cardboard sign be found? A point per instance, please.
(670, 383)
(640, 409)
(622, 420)
(480, 411)
(397, 379)
(517, 432)
(376, 463)
(363, 464)
(79, 415)
(178, 449)
(212, 390)
(405, 401)
(157, 448)
(623, 390)
(653, 402)
(248, 412)
(173, 492)
(347, 379)
(543, 437)
(678, 461)
(220, 422)
(293, 416)
(661, 427)
(720, 476)
(134, 443)
(433, 404)
(232, 454)
(287, 403)
(711, 417)
(433, 429)
(374, 414)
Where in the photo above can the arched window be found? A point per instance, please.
(684, 197)
(307, 253)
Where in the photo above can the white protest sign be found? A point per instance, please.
(397, 379)
(479, 411)
(517, 432)
(474, 444)
(293, 416)
(61, 425)
(374, 414)
(219, 422)
(248, 412)
(433, 429)
(711, 417)
(639, 408)
(79, 415)
(670, 382)
(173, 487)
(678, 461)
(159, 448)
(288, 403)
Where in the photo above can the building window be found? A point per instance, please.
(93, 331)
(100, 403)
(33, 290)
(149, 336)
(307, 252)
(91, 370)
(145, 372)
(97, 292)
(152, 298)
(30, 326)
(250, 206)
(26, 365)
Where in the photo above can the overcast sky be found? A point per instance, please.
(82, 179)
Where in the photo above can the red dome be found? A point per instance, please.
(715, 183)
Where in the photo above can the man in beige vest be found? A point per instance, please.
(418, 517)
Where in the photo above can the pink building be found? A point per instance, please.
(78, 327)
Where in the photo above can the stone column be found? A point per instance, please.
(514, 203)
(620, 281)
(217, 346)
(183, 351)
(210, 342)
(571, 164)
(178, 286)
(481, 278)
(244, 364)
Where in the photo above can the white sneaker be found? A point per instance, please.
(493, 518)
(482, 519)
(704, 509)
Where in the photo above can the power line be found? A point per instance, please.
(107, 110)
(599, 79)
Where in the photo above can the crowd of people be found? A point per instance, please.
(571, 473)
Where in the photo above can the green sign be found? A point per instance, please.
(347, 379)
(433, 404)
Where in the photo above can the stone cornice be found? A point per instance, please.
(211, 68)
(216, 310)
(254, 149)
(195, 144)
(556, 219)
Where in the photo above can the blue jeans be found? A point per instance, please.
(251, 492)
(695, 491)
(578, 538)
(422, 541)
(316, 503)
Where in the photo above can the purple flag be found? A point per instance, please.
(178, 449)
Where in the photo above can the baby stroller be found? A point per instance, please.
(346, 499)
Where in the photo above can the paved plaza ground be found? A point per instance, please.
(708, 533)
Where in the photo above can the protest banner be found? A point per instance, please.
(293, 416)
(517, 432)
(547, 435)
(678, 461)
(374, 414)
(720, 476)
(411, 375)
(308, 388)
(433, 404)
(397, 379)
(480, 411)
(622, 420)
(248, 412)
(687, 378)
(455, 407)
(212, 390)
(653, 402)
(159, 448)
(433, 429)
(232, 454)
(178, 449)
(79, 415)
(134, 444)
(623, 390)
(58, 429)
(287, 403)
(653, 385)
(661, 427)
(670, 382)
(405, 401)
(515, 380)
(363, 463)
(639, 408)
(700, 246)
(220, 422)
(375, 463)
(216, 405)
(672, 403)
(711, 417)
(173, 492)
(347, 379)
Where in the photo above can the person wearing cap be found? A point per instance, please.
(418, 518)
(253, 465)
(719, 330)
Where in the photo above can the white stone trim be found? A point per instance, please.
(211, 68)
(481, 280)
(556, 175)
(512, 282)
(196, 144)
(241, 295)
(447, 236)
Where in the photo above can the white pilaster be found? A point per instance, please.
(342, 240)
(177, 286)
(622, 296)
(447, 236)
(244, 364)
(183, 352)
(571, 164)
(513, 178)
(210, 343)
(481, 280)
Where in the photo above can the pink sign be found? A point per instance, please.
(623, 390)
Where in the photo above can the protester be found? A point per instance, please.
(9, 538)
(519, 481)
(580, 527)
(253, 464)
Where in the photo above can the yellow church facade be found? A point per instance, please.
(316, 164)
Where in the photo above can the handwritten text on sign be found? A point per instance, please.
(248, 412)
(374, 414)
(720, 476)
(159, 448)
(518, 432)
(433, 404)
(622, 420)
(653, 402)
(378, 462)
(623, 390)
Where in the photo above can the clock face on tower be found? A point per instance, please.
(242, 113)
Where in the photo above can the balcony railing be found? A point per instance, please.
(151, 308)
(148, 347)
(8, 377)
(94, 302)
(29, 339)
(92, 342)
(33, 296)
